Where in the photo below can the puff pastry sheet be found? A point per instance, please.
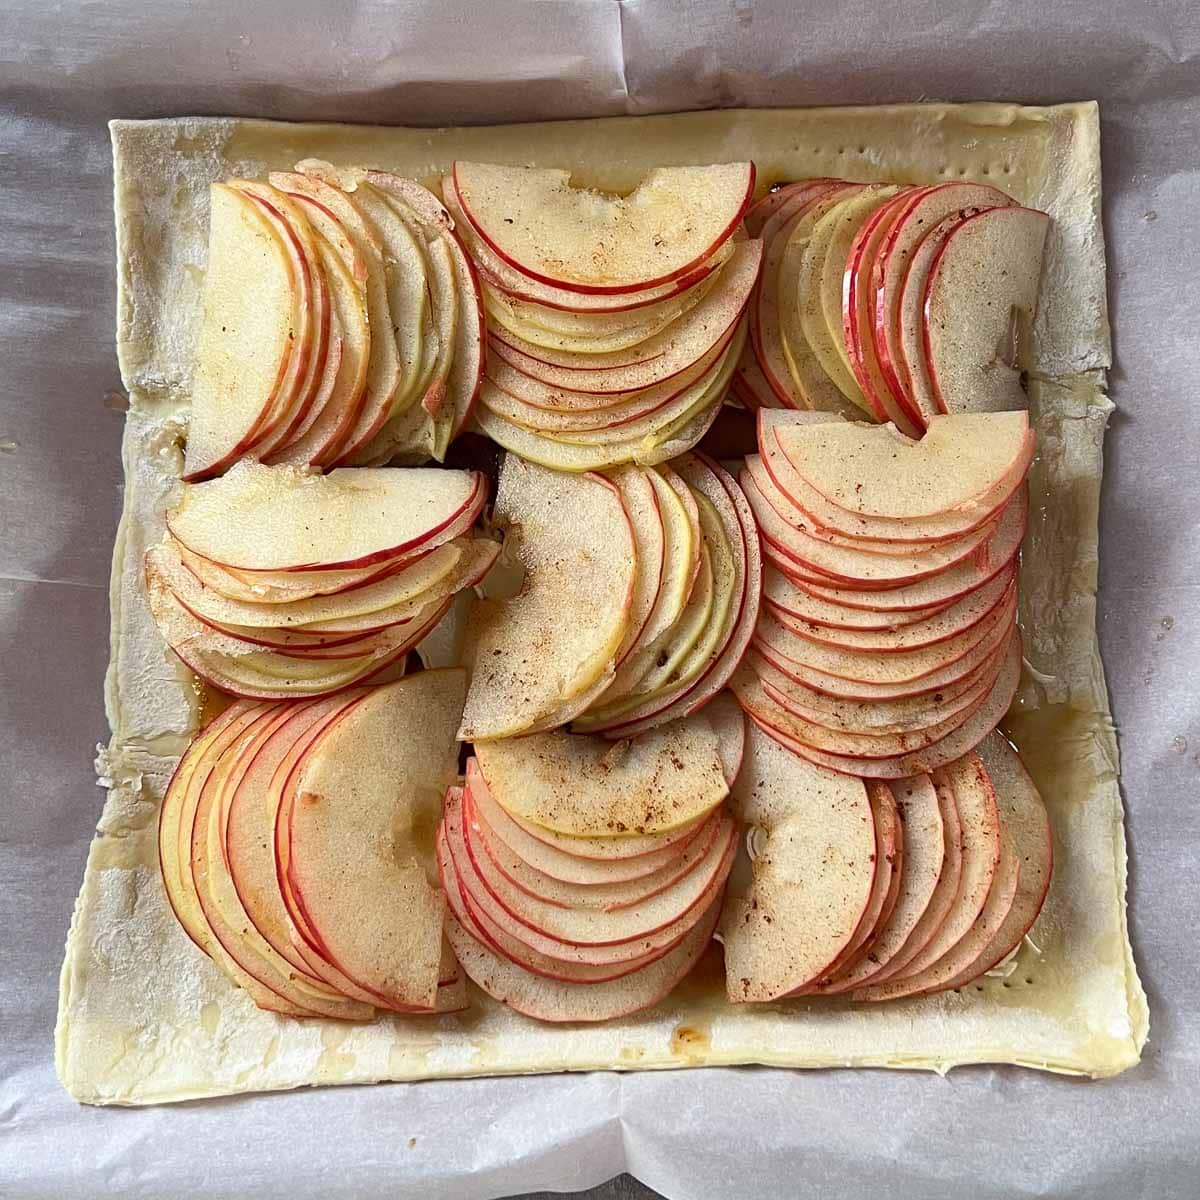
(144, 1018)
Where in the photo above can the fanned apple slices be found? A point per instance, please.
(342, 324)
(897, 302)
(879, 890)
(887, 643)
(640, 596)
(295, 852)
(278, 582)
(615, 322)
(584, 879)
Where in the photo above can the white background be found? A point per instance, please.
(66, 68)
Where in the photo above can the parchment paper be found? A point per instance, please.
(711, 1133)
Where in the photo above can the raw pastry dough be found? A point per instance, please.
(144, 1018)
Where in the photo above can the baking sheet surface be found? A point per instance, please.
(57, 487)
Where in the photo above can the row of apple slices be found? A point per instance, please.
(640, 595)
(289, 842)
(898, 302)
(624, 353)
(342, 324)
(878, 891)
(602, 912)
(275, 582)
(887, 643)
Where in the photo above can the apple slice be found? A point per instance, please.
(590, 787)
(466, 909)
(966, 952)
(944, 624)
(661, 357)
(590, 242)
(986, 270)
(874, 470)
(698, 686)
(312, 337)
(358, 868)
(798, 601)
(559, 859)
(776, 437)
(346, 276)
(384, 369)
(822, 335)
(979, 819)
(282, 519)
(923, 209)
(640, 501)
(710, 837)
(227, 918)
(246, 334)
(765, 207)
(924, 853)
(556, 638)
(888, 869)
(549, 1000)
(766, 337)
(503, 277)
(1026, 823)
(813, 872)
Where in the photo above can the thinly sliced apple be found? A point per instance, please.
(776, 437)
(468, 911)
(945, 623)
(680, 551)
(765, 207)
(1027, 824)
(725, 715)
(654, 923)
(503, 277)
(249, 810)
(923, 209)
(967, 951)
(602, 897)
(384, 371)
(590, 242)
(813, 872)
(555, 639)
(640, 501)
(470, 336)
(843, 566)
(661, 357)
(589, 787)
(993, 557)
(873, 470)
(924, 853)
(174, 844)
(766, 311)
(888, 869)
(246, 334)
(593, 925)
(910, 334)
(399, 596)
(690, 694)
(548, 1000)
(346, 276)
(284, 587)
(560, 859)
(905, 714)
(282, 519)
(857, 322)
(786, 595)
(979, 820)
(822, 336)
(985, 274)
(312, 340)
(959, 741)
(227, 917)
(358, 867)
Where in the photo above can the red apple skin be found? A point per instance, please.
(855, 291)
(893, 372)
(613, 290)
